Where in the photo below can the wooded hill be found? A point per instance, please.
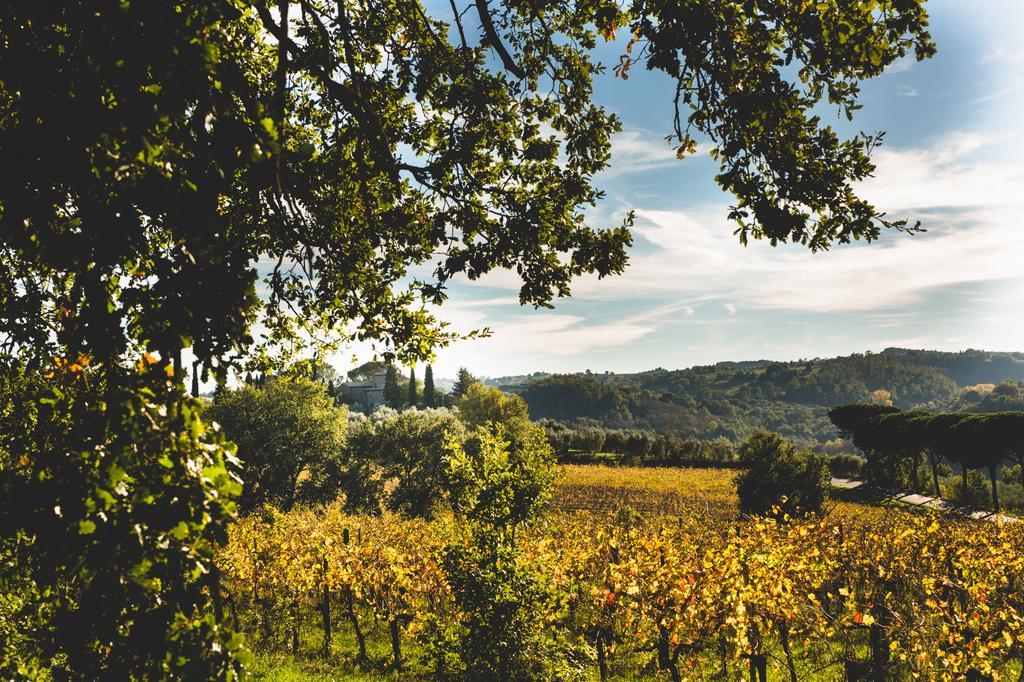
(732, 399)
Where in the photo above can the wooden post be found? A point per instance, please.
(325, 609)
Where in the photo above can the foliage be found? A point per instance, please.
(776, 478)
(1007, 396)
(413, 398)
(430, 394)
(367, 370)
(588, 442)
(110, 521)
(974, 494)
(887, 595)
(499, 488)
(463, 381)
(567, 397)
(734, 400)
(895, 443)
(393, 394)
(408, 448)
(480, 405)
(846, 466)
(290, 437)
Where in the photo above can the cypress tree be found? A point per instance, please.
(428, 388)
(413, 397)
(392, 391)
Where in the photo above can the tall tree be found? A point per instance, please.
(429, 392)
(154, 152)
(462, 383)
(413, 398)
(392, 389)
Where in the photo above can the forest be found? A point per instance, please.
(732, 400)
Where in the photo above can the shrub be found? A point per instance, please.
(775, 475)
(291, 438)
(507, 601)
(407, 447)
(847, 466)
(977, 494)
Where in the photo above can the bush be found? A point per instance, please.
(977, 494)
(407, 447)
(508, 602)
(1010, 474)
(776, 475)
(290, 437)
(847, 466)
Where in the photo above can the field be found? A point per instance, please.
(658, 580)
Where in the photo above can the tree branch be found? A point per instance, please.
(495, 40)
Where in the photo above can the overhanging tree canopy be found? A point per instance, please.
(155, 151)
(364, 154)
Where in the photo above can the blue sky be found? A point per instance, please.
(953, 158)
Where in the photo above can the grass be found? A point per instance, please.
(311, 665)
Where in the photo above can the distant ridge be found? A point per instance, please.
(731, 399)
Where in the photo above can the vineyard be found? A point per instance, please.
(673, 587)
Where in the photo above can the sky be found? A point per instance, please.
(692, 295)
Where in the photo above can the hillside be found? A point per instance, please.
(732, 399)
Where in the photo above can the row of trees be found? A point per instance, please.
(300, 448)
(901, 445)
(638, 445)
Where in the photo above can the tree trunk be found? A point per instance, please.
(758, 668)
(879, 653)
(295, 626)
(723, 653)
(396, 643)
(354, 620)
(602, 662)
(233, 607)
(784, 639)
(665, 661)
(995, 488)
(963, 471)
(935, 475)
(218, 604)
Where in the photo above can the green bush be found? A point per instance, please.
(407, 447)
(977, 494)
(507, 601)
(290, 437)
(777, 477)
(846, 466)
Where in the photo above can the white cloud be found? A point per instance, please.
(637, 151)
(959, 170)
(904, 63)
(968, 200)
